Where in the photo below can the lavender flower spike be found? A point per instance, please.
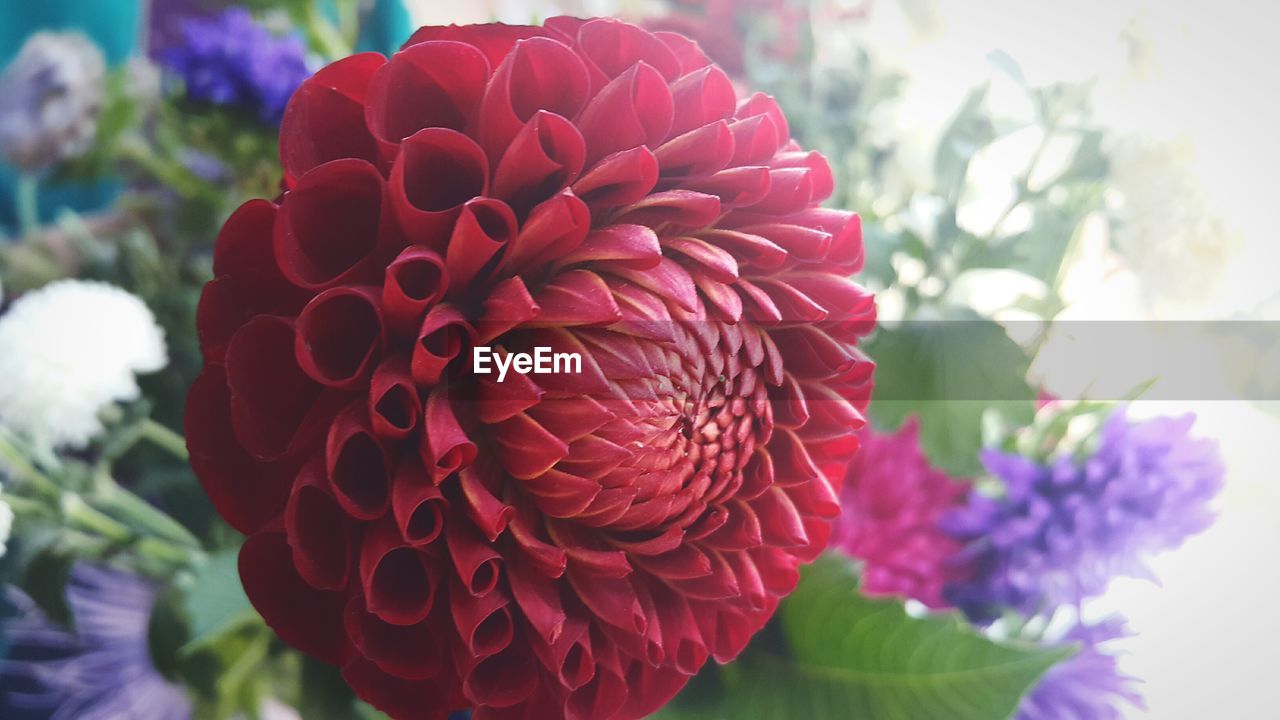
(1086, 686)
(1064, 529)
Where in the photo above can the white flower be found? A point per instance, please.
(6, 525)
(1169, 230)
(68, 350)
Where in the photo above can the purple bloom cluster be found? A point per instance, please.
(1088, 685)
(102, 670)
(229, 59)
(1064, 529)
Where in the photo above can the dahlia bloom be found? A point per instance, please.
(892, 500)
(50, 97)
(1086, 686)
(67, 351)
(571, 544)
(100, 671)
(230, 59)
(1064, 529)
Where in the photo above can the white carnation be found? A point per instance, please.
(68, 350)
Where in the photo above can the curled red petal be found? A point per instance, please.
(324, 119)
(399, 581)
(305, 617)
(331, 223)
(437, 171)
(433, 84)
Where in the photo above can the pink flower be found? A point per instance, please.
(892, 500)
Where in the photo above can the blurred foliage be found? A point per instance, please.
(917, 246)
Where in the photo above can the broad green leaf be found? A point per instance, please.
(215, 600)
(949, 371)
(848, 657)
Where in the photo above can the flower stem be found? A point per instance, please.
(164, 438)
(80, 515)
(27, 203)
(138, 513)
(16, 464)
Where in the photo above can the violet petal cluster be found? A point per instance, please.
(230, 59)
(1065, 528)
(102, 670)
(1088, 685)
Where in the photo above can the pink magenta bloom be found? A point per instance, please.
(892, 500)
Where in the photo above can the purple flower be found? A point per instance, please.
(229, 59)
(102, 670)
(1063, 530)
(1088, 685)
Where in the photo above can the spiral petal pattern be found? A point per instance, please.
(569, 544)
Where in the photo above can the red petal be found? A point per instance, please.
(552, 229)
(325, 117)
(273, 403)
(444, 335)
(417, 503)
(414, 282)
(631, 246)
(339, 335)
(394, 407)
(622, 178)
(317, 530)
(633, 109)
(246, 493)
(508, 305)
(411, 652)
(614, 47)
(543, 159)
(575, 298)
(306, 618)
(430, 84)
(483, 229)
(331, 223)
(446, 448)
(436, 172)
(357, 465)
(538, 74)
(702, 97)
(399, 581)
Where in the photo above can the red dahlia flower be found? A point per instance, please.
(574, 544)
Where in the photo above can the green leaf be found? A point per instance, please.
(215, 600)
(970, 131)
(949, 371)
(848, 657)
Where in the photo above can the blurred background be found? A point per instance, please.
(1028, 166)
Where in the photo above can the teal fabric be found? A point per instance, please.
(385, 27)
(115, 26)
